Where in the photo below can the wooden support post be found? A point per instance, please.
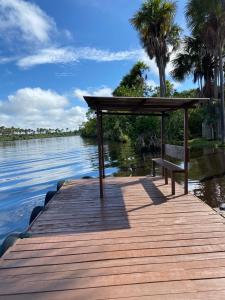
(99, 152)
(166, 175)
(162, 141)
(173, 183)
(102, 147)
(186, 154)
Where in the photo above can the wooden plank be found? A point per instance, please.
(110, 280)
(116, 247)
(187, 261)
(71, 270)
(140, 232)
(45, 243)
(135, 292)
(137, 223)
(156, 254)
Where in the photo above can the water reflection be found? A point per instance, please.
(207, 175)
(28, 169)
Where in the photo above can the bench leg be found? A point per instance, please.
(153, 168)
(163, 171)
(172, 183)
(166, 176)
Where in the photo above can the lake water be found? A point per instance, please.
(31, 168)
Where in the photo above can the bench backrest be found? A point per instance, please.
(174, 151)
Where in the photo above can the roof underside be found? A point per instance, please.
(141, 104)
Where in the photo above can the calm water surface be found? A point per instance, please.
(28, 169)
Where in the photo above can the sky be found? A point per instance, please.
(55, 51)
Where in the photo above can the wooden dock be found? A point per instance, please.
(139, 243)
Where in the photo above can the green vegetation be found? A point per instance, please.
(144, 131)
(202, 143)
(12, 133)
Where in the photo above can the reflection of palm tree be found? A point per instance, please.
(157, 30)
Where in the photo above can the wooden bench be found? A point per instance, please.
(167, 166)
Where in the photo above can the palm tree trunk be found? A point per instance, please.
(161, 82)
(162, 78)
(201, 85)
(221, 93)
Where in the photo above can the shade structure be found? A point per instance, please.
(141, 106)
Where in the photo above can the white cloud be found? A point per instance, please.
(23, 19)
(152, 83)
(70, 55)
(35, 107)
(102, 91)
(176, 84)
(104, 55)
(48, 56)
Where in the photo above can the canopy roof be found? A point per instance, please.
(141, 104)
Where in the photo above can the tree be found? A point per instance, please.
(208, 21)
(134, 83)
(158, 33)
(123, 128)
(194, 59)
(169, 90)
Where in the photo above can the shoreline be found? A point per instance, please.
(33, 136)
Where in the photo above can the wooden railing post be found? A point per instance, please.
(186, 154)
(162, 136)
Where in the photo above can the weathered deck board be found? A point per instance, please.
(139, 243)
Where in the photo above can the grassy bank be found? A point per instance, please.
(201, 143)
(5, 138)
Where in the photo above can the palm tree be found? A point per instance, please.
(194, 59)
(158, 33)
(208, 20)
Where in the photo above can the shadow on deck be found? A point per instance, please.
(77, 207)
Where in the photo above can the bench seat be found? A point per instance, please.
(168, 166)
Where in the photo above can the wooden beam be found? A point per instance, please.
(133, 114)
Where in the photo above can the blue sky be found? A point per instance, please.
(53, 52)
